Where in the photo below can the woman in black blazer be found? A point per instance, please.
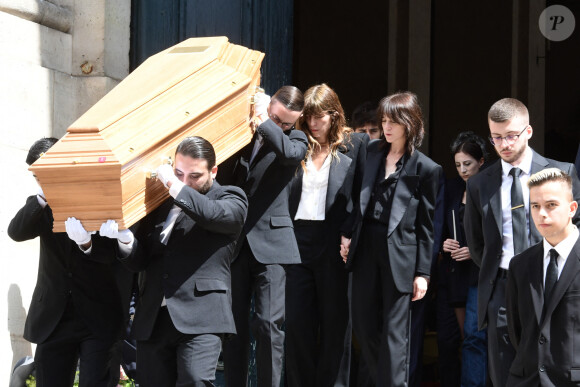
(457, 277)
(392, 240)
(317, 316)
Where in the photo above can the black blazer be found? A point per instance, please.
(344, 182)
(266, 182)
(483, 223)
(94, 283)
(193, 270)
(547, 340)
(454, 189)
(410, 229)
(456, 275)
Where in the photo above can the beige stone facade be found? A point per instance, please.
(57, 58)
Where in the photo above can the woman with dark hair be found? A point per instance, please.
(317, 314)
(392, 241)
(458, 275)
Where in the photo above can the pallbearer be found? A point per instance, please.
(264, 170)
(185, 248)
(78, 311)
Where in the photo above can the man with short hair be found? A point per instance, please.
(543, 287)
(364, 120)
(265, 170)
(79, 309)
(184, 247)
(497, 223)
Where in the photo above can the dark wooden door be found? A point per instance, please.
(261, 25)
(562, 136)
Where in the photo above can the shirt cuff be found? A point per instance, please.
(87, 251)
(176, 187)
(125, 249)
(41, 201)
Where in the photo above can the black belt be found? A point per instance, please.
(304, 222)
(502, 273)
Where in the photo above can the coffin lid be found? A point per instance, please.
(201, 86)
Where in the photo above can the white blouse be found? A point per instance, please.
(314, 186)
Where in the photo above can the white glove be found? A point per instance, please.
(166, 174)
(261, 102)
(77, 232)
(40, 197)
(110, 229)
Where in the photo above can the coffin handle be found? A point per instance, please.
(152, 174)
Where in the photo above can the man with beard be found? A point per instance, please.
(497, 221)
(185, 247)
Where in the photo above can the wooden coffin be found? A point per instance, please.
(99, 169)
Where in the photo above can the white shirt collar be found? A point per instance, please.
(525, 165)
(564, 247)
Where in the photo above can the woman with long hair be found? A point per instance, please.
(392, 241)
(458, 275)
(317, 313)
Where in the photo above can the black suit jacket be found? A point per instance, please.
(483, 223)
(266, 182)
(344, 182)
(547, 342)
(193, 270)
(456, 275)
(454, 189)
(410, 229)
(93, 283)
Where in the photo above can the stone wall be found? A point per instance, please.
(57, 58)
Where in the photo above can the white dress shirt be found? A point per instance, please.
(563, 248)
(166, 233)
(169, 223)
(506, 204)
(314, 187)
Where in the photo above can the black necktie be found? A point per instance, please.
(520, 234)
(551, 274)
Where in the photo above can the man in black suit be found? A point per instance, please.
(543, 290)
(185, 248)
(265, 170)
(78, 310)
(497, 224)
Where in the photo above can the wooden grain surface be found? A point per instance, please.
(98, 170)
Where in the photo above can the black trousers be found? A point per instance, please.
(448, 340)
(500, 352)
(170, 358)
(56, 358)
(380, 313)
(267, 284)
(318, 332)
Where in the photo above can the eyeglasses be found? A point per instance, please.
(278, 121)
(510, 139)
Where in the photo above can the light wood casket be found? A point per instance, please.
(98, 170)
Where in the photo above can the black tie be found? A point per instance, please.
(551, 274)
(520, 235)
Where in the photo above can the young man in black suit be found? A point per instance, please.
(497, 223)
(78, 310)
(185, 247)
(543, 290)
(265, 170)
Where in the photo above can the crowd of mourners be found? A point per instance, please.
(320, 240)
